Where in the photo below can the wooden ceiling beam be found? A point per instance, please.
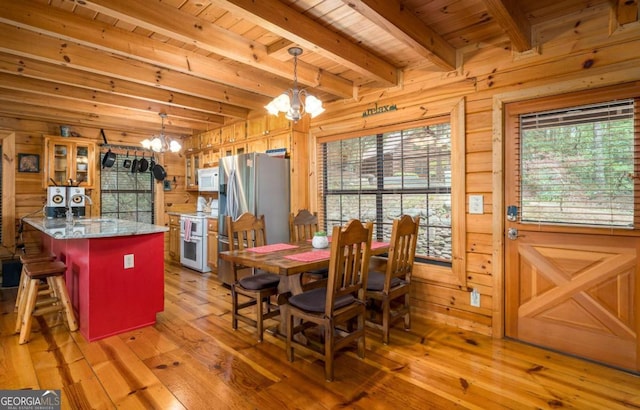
(96, 110)
(30, 68)
(514, 22)
(176, 24)
(29, 44)
(60, 115)
(47, 88)
(277, 17)
(393, 17)
(45, 19)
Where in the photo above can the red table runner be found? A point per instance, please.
(272, 248)
(310, 256)
(376, 244)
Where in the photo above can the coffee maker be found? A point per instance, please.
(59, 196)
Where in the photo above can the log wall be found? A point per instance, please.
(577, 52)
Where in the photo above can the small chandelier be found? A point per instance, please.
(295, 102)
(161, 143)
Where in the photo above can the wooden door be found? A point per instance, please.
(569, 287)
(574, 293)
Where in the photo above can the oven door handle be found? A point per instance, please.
(194, 239)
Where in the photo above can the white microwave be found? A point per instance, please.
(208, 180)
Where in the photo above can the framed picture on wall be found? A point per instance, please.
(28, 163)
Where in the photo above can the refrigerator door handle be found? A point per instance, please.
(232, 196)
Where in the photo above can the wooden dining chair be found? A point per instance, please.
(246, 232)
(302, 227)
(388, 291)
(334, 309)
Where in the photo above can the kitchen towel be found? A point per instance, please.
(187, 230)
(272, 248)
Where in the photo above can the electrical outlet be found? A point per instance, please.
(128, 261)
(475, 298)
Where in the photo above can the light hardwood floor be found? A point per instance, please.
(193, 359)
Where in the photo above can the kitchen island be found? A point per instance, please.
(115, 271)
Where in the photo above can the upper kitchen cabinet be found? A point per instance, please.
(233, 133)
(265, 125)
(69, 161)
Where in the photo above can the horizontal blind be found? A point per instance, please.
(382, 176)
(578, 165)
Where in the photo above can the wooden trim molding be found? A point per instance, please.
(8, 141)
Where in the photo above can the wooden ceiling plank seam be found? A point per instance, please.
(35, 69)
(400, 22)
(46, 20)
(513, 20)
(277, 17)
(173, 23)
(41, 47)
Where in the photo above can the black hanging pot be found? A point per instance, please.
(109, 157)
(134, 164)
(127, 161)
(143, 164)
(158, 172)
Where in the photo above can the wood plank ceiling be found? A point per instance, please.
(118, 64)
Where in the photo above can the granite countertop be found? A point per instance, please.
(196, 214)
(85, 228)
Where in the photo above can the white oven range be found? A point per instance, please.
(193, 242)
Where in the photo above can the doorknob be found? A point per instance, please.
(512, 233)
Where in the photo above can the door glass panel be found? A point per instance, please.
(577, 165)
(61, 166)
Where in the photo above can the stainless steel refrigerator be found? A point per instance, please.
(256, 183)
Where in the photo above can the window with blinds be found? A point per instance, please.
(577, 165)
(126, 195)
(382, 176)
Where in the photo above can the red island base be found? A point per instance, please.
(108, 298)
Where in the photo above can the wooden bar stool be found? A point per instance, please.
(25, 260)
(53, 272)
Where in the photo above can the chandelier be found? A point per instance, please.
(295, 102)
(161, 143)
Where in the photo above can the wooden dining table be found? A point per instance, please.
(289, 260)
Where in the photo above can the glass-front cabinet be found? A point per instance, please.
(69, 161)
(192, 164)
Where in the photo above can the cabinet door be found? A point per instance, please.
(174, 238)
(277, 123)
(192, 164)
(257, 127)
(212, 243)
(59, 163)
(257, 145)
(281, 140)
(82, 171)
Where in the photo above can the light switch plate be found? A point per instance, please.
(476, 204)
(475, 298)
(128, 261)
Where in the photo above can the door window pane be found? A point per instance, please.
(577, 165)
